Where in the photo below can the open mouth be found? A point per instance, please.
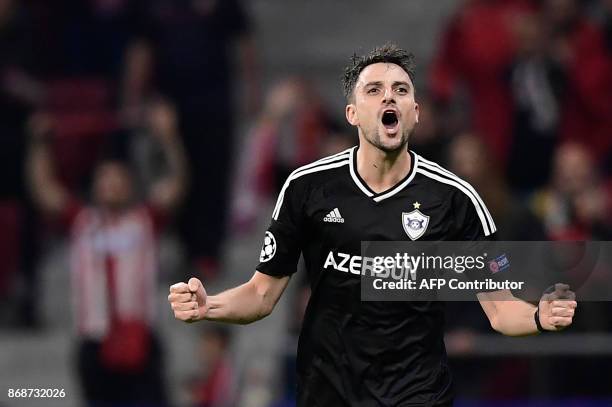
(389, 119)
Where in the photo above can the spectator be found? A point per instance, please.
(430, 138)
(476, 48)
(576, 204)
(537, 81)
(470, 159)
(580, 47)
(214, 387)
(20, 93)
(339, 138)
(291, 131)
(185, 51)
(113, 263)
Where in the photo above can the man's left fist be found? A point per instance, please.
(557, 308)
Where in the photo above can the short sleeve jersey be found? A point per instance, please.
(354, 353)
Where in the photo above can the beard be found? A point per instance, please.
(375, 139)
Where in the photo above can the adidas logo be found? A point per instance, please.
(334, 216)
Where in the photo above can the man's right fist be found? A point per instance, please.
(188, 300)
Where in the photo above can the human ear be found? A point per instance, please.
(351, 114)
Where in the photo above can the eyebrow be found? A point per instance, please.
(379, 83)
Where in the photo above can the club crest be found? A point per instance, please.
(415, 223)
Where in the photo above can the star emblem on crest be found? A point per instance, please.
(417, 205)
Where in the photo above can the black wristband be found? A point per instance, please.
(536, 317)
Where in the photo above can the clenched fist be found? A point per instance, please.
(188, 300)
(557, 308)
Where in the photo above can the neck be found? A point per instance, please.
(380, 169)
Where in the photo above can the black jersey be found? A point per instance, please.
(354, 353)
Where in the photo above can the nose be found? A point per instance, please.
(388, 96)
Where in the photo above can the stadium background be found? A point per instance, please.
(516, 97)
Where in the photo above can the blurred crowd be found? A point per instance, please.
(119, 120)
(536, 82)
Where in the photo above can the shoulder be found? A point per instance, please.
(459, 190)
(304, 178)
(439, 177)
(319, 170)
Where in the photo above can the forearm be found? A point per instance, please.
(507, 314)
(137, 72)
(167, 192)
(244, 304)
(174, 155)
(45, 189)
(240, 305)
(515, 318)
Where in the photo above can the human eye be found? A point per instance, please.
(372, 91)
(402, 90)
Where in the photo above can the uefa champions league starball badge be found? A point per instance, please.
(268, 249)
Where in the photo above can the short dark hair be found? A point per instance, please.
(388, 53)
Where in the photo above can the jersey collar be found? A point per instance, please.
(377, 197)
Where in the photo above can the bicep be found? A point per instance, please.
(281, 246)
